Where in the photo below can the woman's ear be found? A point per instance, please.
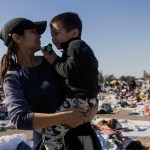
(16, 38)
(75, 32)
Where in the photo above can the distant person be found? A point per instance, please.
(78, 68)
(132, 85)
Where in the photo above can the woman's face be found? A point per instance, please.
(30, 40)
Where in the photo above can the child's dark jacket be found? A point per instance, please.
(79, 68)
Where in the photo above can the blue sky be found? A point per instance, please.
(118, 31)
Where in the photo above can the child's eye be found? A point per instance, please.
(33, 31)
(56, 33)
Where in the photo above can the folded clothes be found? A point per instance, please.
(1, 128)
(9, 126)
(110, 123)
(4, 126)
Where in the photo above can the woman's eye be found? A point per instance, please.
(33, 31)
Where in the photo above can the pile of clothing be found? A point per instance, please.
(111, 137)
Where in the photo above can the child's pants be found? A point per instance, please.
(54, 136)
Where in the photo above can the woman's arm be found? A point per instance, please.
(15, 101)
(72, 118)
(23, 118)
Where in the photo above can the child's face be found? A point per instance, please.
(60, 35)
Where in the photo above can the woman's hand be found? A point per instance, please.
(78, 116)
(91, 113)
(74, 117)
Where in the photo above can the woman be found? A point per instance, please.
(31, 87)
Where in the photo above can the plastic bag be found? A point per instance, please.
(10, 142)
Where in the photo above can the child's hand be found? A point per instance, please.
(49, 57)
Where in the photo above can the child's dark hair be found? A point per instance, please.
(69, 21)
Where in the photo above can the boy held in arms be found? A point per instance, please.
(78, 68)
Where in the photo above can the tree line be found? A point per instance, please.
(109, 78)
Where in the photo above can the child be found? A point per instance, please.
(78, 68)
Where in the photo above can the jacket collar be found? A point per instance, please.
(65, 45)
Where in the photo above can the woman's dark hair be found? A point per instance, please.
(69, 21)
(9, 60)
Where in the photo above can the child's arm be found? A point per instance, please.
(72, 60)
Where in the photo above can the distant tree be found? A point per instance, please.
(126, 78)
(145, 74)
(123, 78)
(101, 77)
(109, 78)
